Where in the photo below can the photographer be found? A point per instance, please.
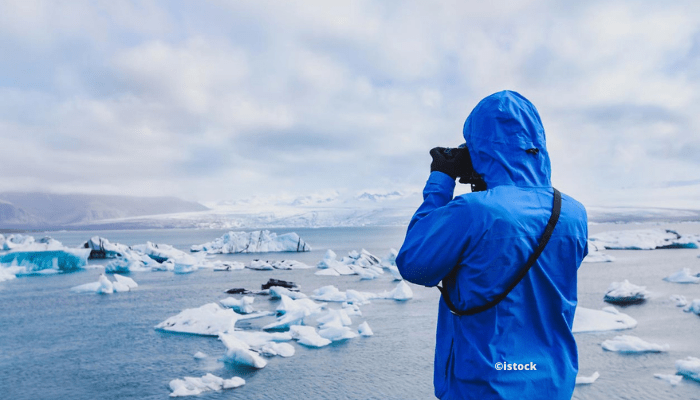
(507, 256)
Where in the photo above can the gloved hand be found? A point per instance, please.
(449, 161)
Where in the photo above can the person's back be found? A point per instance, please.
(477, 243)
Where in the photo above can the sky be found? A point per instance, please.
(221, 100)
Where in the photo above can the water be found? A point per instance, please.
(56, 344)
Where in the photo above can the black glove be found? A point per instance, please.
(451, 161)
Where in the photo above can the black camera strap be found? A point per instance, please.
(556, 209)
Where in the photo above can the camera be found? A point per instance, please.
(465, 169)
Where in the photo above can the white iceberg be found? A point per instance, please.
(289, 264)
(694, 307)
(220, 265)
(401, 292)
(243, 305)
(265, 343)
(261, 265)
(633, 344)
(363, 263)
(595, 255)
(103, 248)
(334, 318)
(364, 330)
(672, 379)
(159, 252)
(307, 336)
(200, 356)
(190, 386)
(336, 333)
(289, 318)
(607, 319)
(644, 239)
(208, 320)
(276, 292)
(389, 263)
(239, 353)
(587, 380)
(690, 367)
(679, 300)
(11, 272)
(683, 276)
(327, 272)
(625, 293)
(288, 304)
(253, 242)
(130, 264)
(105, 286)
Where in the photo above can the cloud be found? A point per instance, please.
(218, 100)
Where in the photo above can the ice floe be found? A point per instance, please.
(683, 276)
(362, 263)
(672, 379)
(679, 300)
(307, 336)
(694, 307)
(595, 255)
(364, 330)
(288, 304)
(190, 386)
(389, 263)
(689, 367)
(243, 305)
(277, 292)
(239, 352)
(105, 286)
(644, 239)
(200, 356)
(607, 319)
(625, 293)
(220, 265)
(633, 344)
(331, 293)
(253, 242)
(587, 380)
(33, 260)
(401, 292)
(208, 320)
(103, 248)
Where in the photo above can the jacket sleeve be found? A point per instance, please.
(435, 238)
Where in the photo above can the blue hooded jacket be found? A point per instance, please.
(477, 243)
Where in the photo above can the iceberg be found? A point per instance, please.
(625, 293)
(200, 356)
(241, 306)
(253, 242)
(607, 319)
(159, 252)
(363, 263)
(125, 265)
(694, 307)
(644, 239)
(679, 300)
(587, 380)
(389, 263)
(683, 276)
(690, 367)
(286, 320)
(364, 330)
(220, 265)
(239, 353)
(105, 286)
(102, 248)
(401, 292)
(190, 386)
(45, 261)
(289, 264)
(261, 265)
(632, 344)
(307, 336)
(207, 320)
(276, 292)
(331, 293)
(288, 304)
(672, 379)
(595, 255)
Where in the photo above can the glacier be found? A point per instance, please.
(253, 242)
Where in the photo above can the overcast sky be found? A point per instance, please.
(216, 100)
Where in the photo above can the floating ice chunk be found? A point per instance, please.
(200, 356)
(159, 252)
(15, 241)
(683, 276)
(261, 265)
(271, 349)
(239, 353)
(290, 264)
(337, 333)
(208, 320)
(190, 386)
(607, 319)
(276, 292)
(679, 299)
(587, 380)
(11, 272)
(644, 239)
(364, 329)
(104, 286)
(125, 265)
(690, 367)
(253, 242)
(130, 283)
(102, 248)
(288, 304)
(694, 307)
(352, 309)
(401, 292)
(672, 379)
(307, 336)
(389, 263)
(625, 293)
(329, 293)
(220, 265)
(595, 255)
(327, 272)
(258, 338)
(284, 322)
(363, 263)
(241, 306)
(633, 344)
(43, 261)
(337, 318)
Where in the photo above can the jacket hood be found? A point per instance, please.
(499, 132)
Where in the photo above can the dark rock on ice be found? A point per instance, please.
(279, 282)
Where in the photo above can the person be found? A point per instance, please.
(477, 244)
